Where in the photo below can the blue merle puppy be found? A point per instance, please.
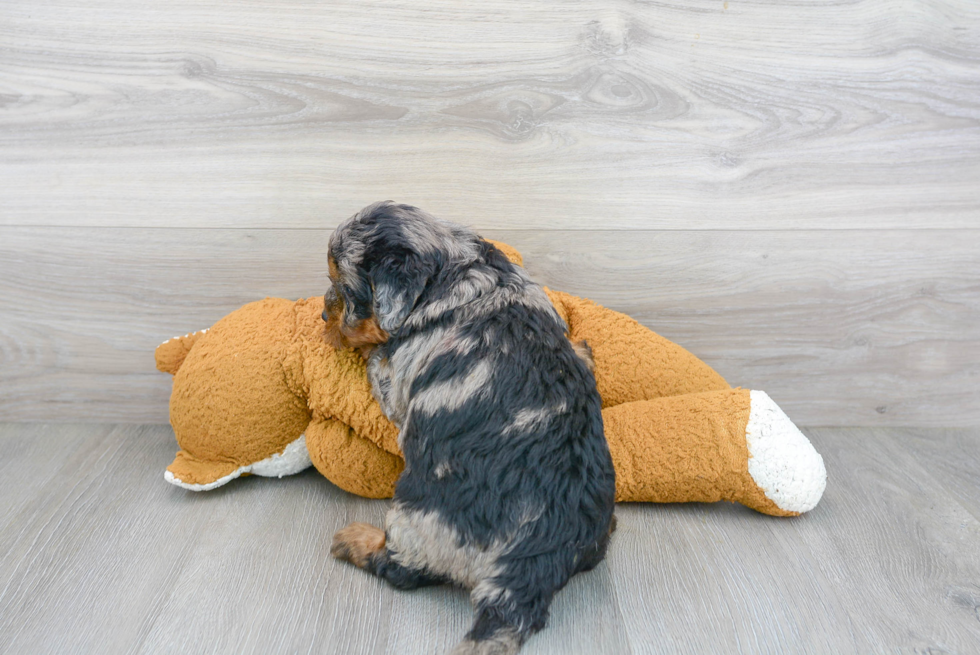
(508, 485)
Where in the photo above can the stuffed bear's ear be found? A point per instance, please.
(398, 282)
(170, 354)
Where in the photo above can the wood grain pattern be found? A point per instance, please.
(953, 457)
(38, 443)
(840, 327)
(888, 562)
(653, 115)
(104, 556)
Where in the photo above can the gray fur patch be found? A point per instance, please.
(463, 345)
(529, 419)
(380, 376)
(348, 252)
(528, 294)
(392, 380)
(390, 306)
(489, 592)
(475, 283)
(480, 294)
(427, 234)
(422, 540)
(451, 394)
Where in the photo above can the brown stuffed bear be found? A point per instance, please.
(262, 393)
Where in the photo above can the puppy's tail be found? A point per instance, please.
(170, 354)
(502, 625)
(490, 636)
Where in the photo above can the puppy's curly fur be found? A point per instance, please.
(508, 485)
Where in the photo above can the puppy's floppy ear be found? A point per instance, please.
(398, 280)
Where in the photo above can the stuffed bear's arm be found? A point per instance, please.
(730, 444)
(631, 361)
(351, 462)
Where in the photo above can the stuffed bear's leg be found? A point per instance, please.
(730, 444)
(196, 474)
(352, 463)
(631, 361)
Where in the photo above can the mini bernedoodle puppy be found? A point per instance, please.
(508, 485)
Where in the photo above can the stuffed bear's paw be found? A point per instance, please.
(782, 461)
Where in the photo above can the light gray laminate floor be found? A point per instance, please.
(99, 555)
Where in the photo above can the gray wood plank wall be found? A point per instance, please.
(791, 190)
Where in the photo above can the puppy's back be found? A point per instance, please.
(507, 421)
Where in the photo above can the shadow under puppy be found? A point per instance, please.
(508, 485)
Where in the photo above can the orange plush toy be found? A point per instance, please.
(262, 393)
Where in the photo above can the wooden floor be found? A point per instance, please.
(99, 555)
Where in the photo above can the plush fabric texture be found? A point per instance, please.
(263, 377)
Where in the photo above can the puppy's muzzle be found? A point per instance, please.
(363, 336)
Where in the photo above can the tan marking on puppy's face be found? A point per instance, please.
(363, 336)
(333, 314)
(357, 542)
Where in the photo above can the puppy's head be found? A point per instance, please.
(380, 262)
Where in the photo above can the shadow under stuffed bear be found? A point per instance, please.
(261, 393)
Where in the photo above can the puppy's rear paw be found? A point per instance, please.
(357, 542)
(502, 643)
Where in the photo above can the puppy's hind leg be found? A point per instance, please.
(363, 546)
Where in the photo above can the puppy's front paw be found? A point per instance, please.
(357, 542)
